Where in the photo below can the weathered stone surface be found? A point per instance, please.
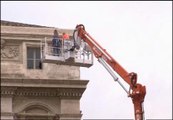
(16, 54)
(51, 92)
(6, 104)
(33, 30)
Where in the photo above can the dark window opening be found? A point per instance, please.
(34, 58)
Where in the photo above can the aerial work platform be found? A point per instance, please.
(65, 55)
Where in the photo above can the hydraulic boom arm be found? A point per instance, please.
(136, 92)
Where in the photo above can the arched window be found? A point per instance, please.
(36, 112)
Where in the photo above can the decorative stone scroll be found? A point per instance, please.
(10, 52)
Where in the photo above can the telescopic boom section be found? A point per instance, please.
(100, 52)
(137, 91)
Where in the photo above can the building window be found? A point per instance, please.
(34, 58)
(36, 112)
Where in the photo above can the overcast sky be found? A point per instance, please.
(137, 34)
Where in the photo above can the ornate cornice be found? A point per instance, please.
(62, 116)
(9, 91)
(43, 88)
(33, 30)
(7, 114)
(37, 92)
(50, 83)
(24, 37)
(10, 23)
(70, 115)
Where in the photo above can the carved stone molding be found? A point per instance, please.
(50, 83)
(62, 93)
(8, 91)
(26, 116)
(70, 115)
(42, 92)
(7, 114)
(10, 52)
(43, 88)
(2, 43)
(53, 116)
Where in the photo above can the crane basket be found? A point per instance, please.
(65, 55)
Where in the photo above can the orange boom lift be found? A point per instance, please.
(136, 91)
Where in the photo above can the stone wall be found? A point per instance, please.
(52, 92)
(13, 54)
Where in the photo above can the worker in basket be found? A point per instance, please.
(65, 36)
(56, 44)
(66, 41)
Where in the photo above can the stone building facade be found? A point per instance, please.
(44, 91)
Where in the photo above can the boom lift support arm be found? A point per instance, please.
(136, 91)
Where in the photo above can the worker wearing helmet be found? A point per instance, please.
(65, 36)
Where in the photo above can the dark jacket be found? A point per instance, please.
(56, 42)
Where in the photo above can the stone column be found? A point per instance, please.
(6, 108)
(70, 109)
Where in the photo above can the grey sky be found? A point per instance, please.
(137, 34)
